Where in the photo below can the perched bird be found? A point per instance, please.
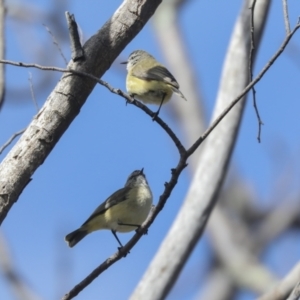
(125, 210)
(148, 80)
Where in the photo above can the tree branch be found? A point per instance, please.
(11, 140)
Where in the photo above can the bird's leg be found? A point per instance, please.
(161, 103)
(115, 235)
(121, 246)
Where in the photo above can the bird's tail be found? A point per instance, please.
(75, 236)
(178, 92)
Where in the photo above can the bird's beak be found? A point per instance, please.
(142, 171)
(123, 63)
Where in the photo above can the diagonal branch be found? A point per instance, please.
(251, 60)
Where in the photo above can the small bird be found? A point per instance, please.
(125, 210)
(149, 81)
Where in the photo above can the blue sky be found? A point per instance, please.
(108, 140)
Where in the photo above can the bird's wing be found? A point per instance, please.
(156, 73)
(117, 197)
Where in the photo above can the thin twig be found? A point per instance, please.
(32, 91)
(55, 42)
(286, 17)
(251, 59)
(11, 139)
(76, 47)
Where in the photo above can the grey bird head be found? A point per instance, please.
(136, 56)
(136, 178)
